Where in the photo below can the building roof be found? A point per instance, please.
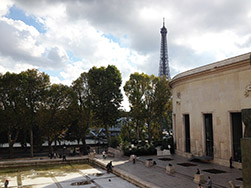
(212, 66)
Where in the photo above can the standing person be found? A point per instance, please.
(6, 183)
(231, 162)
(133, 158)
(109, 167)
(104, 156)
(209, 182)
(198, 171)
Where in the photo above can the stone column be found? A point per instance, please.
(246, 148)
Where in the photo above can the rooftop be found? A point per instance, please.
(215, 65)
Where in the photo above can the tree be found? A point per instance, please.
(149, 98)
(163, 105)
(35, 85)
(83, 115)
(135, 89)
(12, 107)
(106, 97)
(150, 104)
(53, 113)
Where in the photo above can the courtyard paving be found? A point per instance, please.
(182, 178)
(152, 177)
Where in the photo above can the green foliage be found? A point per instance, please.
(143, 148)
(35, 85)
(82, 115)
(115, 141)
(53, 114)
(106, 97)
(12, 107)
(150, 102)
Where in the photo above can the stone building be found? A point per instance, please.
(207, 103)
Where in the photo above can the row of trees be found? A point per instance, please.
(30, 104)
(32, 110)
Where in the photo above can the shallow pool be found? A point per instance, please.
(62, 176)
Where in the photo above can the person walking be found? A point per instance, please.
(209, 182)
(6, 183)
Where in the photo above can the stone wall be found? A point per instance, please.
(218, 90)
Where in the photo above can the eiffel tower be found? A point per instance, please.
(163, 64)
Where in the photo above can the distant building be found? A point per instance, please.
(115, 129)
(163, 63)
(207, 103)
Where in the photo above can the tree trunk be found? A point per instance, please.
(49, 146)
(85, 152)
(24, 142)
(137, 131)
(11, 150)
(107, 135)
(31, 142)
(11, 143)
(149, 133)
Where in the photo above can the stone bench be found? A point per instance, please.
(199, 178)
(170, 169)
(149, 163)
(163, 153)
(111, 152)
(92, 155)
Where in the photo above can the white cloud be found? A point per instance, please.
(4, 6)
(222, 44)
(77, 35)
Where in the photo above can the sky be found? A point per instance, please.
(64, 38)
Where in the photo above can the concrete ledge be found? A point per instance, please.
(126, 176)
(199, 178)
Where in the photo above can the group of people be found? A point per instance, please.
(209, 183)
(56, 155)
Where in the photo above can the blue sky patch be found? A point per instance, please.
(116, 39)
(55, 73)
(18, 14)
(72, 57)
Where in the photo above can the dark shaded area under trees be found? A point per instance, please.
(34, 111)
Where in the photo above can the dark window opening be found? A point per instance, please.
(237, 135)
(209, 135)
(187, 133)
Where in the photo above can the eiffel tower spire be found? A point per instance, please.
(163, 64)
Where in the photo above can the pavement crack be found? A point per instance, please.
(56, 182)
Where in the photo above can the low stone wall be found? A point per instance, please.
(115, 152)
(41, 162)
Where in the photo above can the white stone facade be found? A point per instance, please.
(220, 89)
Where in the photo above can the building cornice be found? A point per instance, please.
(220, 66)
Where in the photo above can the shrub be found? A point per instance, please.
(138, 150)
(115, 141)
